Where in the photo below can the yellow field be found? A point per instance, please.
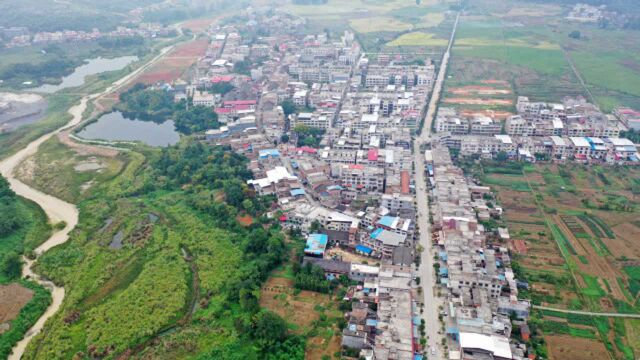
(544, 45)
(417, 39)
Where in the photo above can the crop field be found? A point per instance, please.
(528, 45)
(577, 224)
(418, 39)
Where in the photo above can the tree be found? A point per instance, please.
(268, 329)
(288, 107)
(502, 156)
(284, 138)
(575, 34)
(11, 266)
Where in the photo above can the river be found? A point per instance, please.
(56, 209)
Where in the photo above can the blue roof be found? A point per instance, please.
(297, 192)
(376, 233)
(269, 152)
(364, 249)
(335, 187)
(387, 221)
(372, 322)
(443, 255)
(416, 320)
(452, 330)
(444, 271)
(417, 357)
(316, 244)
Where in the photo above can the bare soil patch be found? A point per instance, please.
(174, 64)
(478, 90)
(277, 296)
(12, 298)
(84, 149)
(477, 101)
(563, 347)
(245, 220)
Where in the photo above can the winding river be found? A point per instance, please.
(57, 210)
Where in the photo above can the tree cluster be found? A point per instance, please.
(308, 136)
(311, 277)
(158, 105)
(9, 221)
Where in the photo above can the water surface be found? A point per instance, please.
(90, 67)
(115, 126)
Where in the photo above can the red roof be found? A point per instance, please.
(219, 79)
(283, 218)
(223, 110)
(372, 155)
(404, 182)
(241, 107)
(240, 102)
(307, 149)
(356, 166)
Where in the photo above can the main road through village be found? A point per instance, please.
(57, 210)
(425, 271)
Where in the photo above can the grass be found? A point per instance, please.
(53, 171)
(554, 327)
(565, 245)
(34, 231)
(632, 271)
(592, 288)
(515, 185)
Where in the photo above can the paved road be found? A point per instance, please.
(426, 271)
(620, 315)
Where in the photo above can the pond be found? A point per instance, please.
(90, 67)
(114, 126)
